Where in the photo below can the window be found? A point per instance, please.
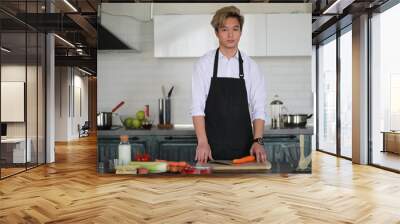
(385, 86)
(327, 96)
(346, 94)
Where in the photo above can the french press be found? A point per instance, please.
(276, 113)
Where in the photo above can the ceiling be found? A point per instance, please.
(77, 23)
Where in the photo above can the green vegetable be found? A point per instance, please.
(153, 167)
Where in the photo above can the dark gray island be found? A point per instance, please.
(288, 150)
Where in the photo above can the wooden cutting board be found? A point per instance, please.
(240, 168)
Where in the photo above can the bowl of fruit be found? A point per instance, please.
(139, 121)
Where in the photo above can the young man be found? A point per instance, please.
(226, 84)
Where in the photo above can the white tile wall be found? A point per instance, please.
(136, 78)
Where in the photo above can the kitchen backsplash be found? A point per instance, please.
(136, 78)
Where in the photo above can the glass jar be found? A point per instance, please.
(276, 113)
(124, 151)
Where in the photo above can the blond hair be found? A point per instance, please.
(223, 13)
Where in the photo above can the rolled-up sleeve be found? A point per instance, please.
(198, 91)
(257, 93)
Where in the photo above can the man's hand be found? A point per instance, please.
(258, 151)
(203, 153)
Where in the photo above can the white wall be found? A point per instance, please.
(15, 72)
(61, 103)
(136, 78)
(79, 117)
(66, 119)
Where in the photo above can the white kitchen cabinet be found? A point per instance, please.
(289, 35)
(183, 35)
(253, 39)
(263, 35)
(193, 35)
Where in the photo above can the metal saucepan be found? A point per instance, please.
(104, 120)
(295, 120)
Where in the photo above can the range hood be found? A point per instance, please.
(108, 41)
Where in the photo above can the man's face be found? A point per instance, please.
(229, 34)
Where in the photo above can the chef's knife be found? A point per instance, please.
(223, 162)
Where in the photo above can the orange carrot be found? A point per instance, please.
(182, 164)
(246, 159)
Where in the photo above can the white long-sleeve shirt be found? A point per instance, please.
(203, 72)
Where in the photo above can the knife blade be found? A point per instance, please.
(223, 162)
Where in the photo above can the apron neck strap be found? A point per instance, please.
(215, 71)
(241, 75)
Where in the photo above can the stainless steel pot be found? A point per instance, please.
(295, 120)
(104, 120)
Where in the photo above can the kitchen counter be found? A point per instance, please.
(276, 167)
(189, 130)
(288, 150)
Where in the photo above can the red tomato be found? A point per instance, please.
(138, 156)
(146, 157)
(189, 171)
(205, 171)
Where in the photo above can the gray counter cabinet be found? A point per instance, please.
(283, 151)
(177, 148)
(107, 150)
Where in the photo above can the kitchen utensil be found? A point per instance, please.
(170, 92)
(115, 118)
(104, 120)
(161, 114)
(164, 111)
(222, 162)
(240, 168)
(163, 91)
(117, 107)
(276, 113)
(167, 112)
(295, 120)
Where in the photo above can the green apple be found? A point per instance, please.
(140, 115)
(129, 122)
(137, 123)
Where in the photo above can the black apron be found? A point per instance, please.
(227, 118)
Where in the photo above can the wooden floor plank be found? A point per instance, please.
(70, 191)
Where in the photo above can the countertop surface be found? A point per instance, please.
(218, 169)
(189, 130)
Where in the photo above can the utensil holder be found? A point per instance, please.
(164, 111)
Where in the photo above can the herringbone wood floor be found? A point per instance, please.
(70, 191)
